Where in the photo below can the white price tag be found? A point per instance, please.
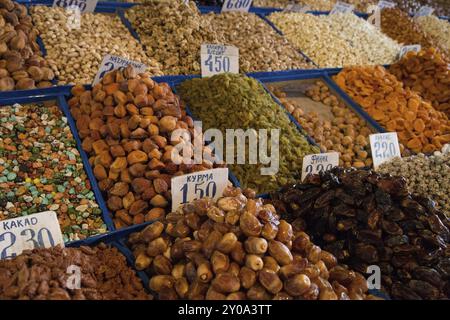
(405, 49)
(84, 5)
(236, 5)
(316, 163)
(342, 7)
(39, 230)
(386, 4)
(197, 185)
(424, 11)
(218, 58)
(111, 63)
(384, 147)
(294, 7)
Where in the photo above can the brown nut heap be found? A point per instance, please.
(427, 73)
(43, 274)
(126, 122)
(238, 249)
(419, 126)
(21, 64)
(346, 133)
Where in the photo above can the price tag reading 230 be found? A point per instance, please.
(317, 163)
(110, 63)
(217, 58)
(39, 230)
(196, 185)
(384, 147)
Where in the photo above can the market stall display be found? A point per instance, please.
(230, 101)
(320, 5)
(336, 40)
(75, 53)
(427, 73)
(41, 274)
(238, 248)
(418, 125)
(438, 30)
(364, 219)
(441, 7)
(21, 63)
(41, 169)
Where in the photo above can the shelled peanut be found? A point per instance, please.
(419, 126)
(346, 133)
(427, 73)
(126, 122)
(237, 249)
(21, 64)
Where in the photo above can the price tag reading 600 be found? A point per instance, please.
(236, 5)
(217, 58)
(384, 147)
(197, 185)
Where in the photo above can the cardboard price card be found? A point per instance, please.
(83, 5)
(197, 185)
(236, 5)
(111, 63)
(342, 7)
(384, 147)
(294, 7)
(317, 163)
(39, 230)
(405, 49)
(386, 4)
(424, 11)
(218, 58)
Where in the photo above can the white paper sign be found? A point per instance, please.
(218, 58)
(424, 11)
(39, 230)
(236, 5)
(386, 4)
(111, 63)
(384, 147)
(405, 49)
(295, 7)
(342, 7)
(197, 185)
(316, 163)
(84, 5)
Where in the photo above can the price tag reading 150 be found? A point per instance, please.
(384, 147)
(217, 58)
(317, 163)
(39, 230)
(236, 5)
(197, 185)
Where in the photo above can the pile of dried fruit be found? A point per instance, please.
(43, 274)
(21, 64)
(427, 73)
(364, 219)
(441, 7)
(419, 126)
(237, 249)
(438, 30)
(41, 169)
(230, 101)
(346, 133)
(126, 122)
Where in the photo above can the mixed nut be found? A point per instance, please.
(44, 274)
(238, 248)
(367, 219)
(21, 64)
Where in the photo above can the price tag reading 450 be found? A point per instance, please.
(189, 187)
(384, 147)
(110, 63)
(39, 230)
(84, 5)
(236, 5)
(217, 58)
(317, 163)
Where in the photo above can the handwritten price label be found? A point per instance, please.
(197, 185)
(83, 5)
(342, 7)
(317, 163)
(111, 63)
(39, 230)
(236, 5)
(217, 58)
(386, 4)
(384, 147)
(405, 49)
(424, 11)
(294, 7)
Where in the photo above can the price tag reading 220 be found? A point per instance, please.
(197, 185)
(384, 147)
(317, 163)
(217, 58)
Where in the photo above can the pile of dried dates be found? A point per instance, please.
(364, 218)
